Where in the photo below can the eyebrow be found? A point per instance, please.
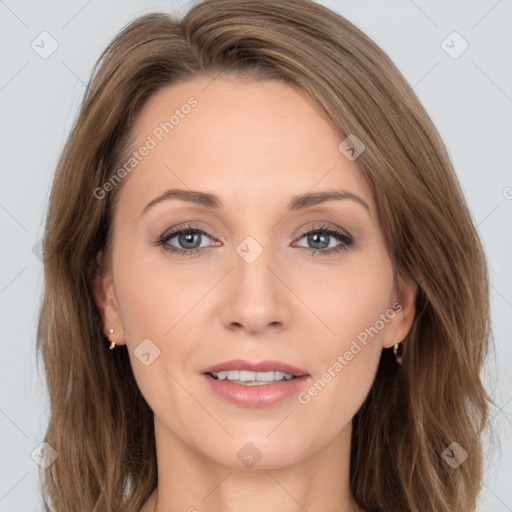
(299, 202)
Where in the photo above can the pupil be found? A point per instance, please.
(187, 238)
(314, 239)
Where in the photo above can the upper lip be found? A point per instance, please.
(260, 366)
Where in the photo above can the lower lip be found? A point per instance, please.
(263, 395)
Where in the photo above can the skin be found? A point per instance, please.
(255, 144)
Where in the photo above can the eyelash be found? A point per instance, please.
(347, 240)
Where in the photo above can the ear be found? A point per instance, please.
(404, 310)
(104, 296)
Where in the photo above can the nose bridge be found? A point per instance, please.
(257, 297)
(252, 269)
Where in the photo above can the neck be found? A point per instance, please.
(190, 481)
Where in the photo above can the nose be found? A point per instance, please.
(256, 300)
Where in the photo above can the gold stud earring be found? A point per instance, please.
(112, 343)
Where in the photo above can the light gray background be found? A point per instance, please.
(469, 99)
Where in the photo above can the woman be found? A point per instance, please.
(255, 213)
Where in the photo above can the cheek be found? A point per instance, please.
(152, 294)
(153, 301)
(349, 299)
(354, 306)
(157, 301)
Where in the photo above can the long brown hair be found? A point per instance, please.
(100, 424)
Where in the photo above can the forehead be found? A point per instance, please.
(238, 138)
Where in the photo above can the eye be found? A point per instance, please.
(320, 237)
(188, 239)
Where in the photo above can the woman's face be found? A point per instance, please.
(269, 277)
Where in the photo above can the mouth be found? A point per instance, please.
(255, 384)
(248, 373)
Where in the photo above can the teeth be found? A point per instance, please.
(244, 376)
(249, 378)
(269, 376)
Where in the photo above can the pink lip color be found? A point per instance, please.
(260, 395)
